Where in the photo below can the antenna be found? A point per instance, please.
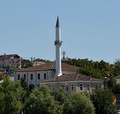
(63, 54)
(31, 59)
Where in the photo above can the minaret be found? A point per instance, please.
(58, 44)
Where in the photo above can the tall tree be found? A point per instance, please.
(94, 68)
(103, 101)
(60, 96)
(78, 104)
(41, 102)
(117, 67)
(10, 100)
(116, 89)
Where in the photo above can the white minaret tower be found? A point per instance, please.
(58, 44)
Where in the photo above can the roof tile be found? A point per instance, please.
(49, 66)
(71, 78)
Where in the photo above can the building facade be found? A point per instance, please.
(13, 60)
(57, 75)
(35, 74)
(73, 83)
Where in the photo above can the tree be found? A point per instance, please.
(117, 67)
(78, 104)
(26, 63)
(25, 90)
(103, 101)
(1, 77)
(60, 96)
(94, 68)
(41, 102)
(111, 82)
(43, 60)
(10, 100)
(116, 89)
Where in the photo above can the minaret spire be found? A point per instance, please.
(57, 23)
(58, 44)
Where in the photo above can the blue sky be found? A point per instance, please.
(90, 28)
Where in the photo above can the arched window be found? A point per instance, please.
(31, 76)
(45, 76)
(62, 86)
(96, 86)
(18, 76)
(49, 87)
(72, 87)
(38, 76)
(67, 88)
(53, 87)
(24, 76)
(81, 87)
(88, 87)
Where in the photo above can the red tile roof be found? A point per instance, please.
(69, 77)
(9, 56)
(2, 73)
(49, 66)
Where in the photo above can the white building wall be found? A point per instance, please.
(35, 80)
(74, 86)
(118, 81)
(1, 62)
(11, 62)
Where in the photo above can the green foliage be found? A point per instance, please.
(2, 77)
(25, 90)
(41, 102)
(43, 60)
(117, 67)
(60, 96)
(78, 104)
(103, 101)
(45, 90)
(95, 69)
(10, 101)
(116, 89)
(111, 82)
(98, 69)
(26, 63)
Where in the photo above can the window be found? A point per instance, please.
(88, 87)
(72, 87)
(18, 76)
(67, 88)
(38, 76)
(62, 86)
(53, 88)
(96, 86)
(17, 61)
(31, 76)
(44, 75)
(49, 87)
(24, 76)
(38, 85)
(81, 87)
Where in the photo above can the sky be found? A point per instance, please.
(89, 28)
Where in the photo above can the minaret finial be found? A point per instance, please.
(57, 23)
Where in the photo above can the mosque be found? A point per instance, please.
(58, 75)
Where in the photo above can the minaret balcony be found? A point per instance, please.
(58, 42)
